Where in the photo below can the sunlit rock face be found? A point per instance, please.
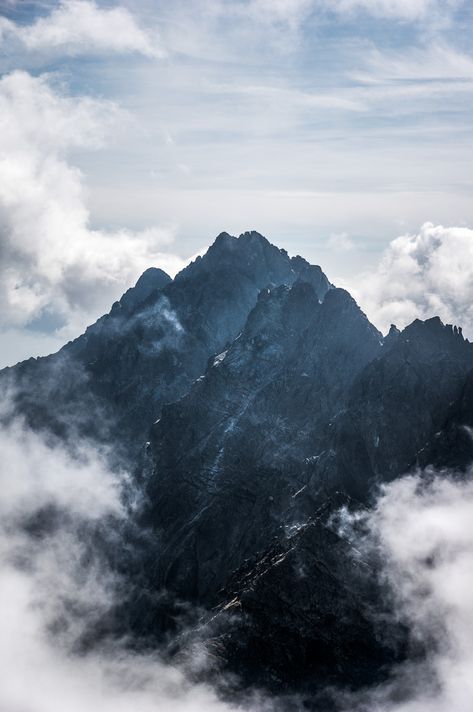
(252, 400)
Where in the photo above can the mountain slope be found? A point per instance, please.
(231, 454)
(309, 404)
(112, 381)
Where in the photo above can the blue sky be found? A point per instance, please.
(331, 126)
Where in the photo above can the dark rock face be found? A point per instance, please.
(154, 343)
(308, 401)
(397, 406)
(307, 397)
(267, 399)
(152, 280)
(231, 454)
(303, 612)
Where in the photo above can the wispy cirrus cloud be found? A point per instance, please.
(407, 10)
(435, 61)
(294, 12)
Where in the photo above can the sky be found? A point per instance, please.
(133, 132)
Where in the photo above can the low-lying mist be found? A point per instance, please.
(55, 586)
(421, 530)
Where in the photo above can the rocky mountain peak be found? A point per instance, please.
(253, 237)
(151, 280)
(432, 337)
(252, 258)
(247, 394)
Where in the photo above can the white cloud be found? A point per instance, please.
(53, 265)
(220, 27)
(423, 275)
(277, 97)
(435, 62)
(294, 12)
(395, 9)
(81, 27)
(53, 587)
(36, 473)
(289, 13)
(340, 241)
(423, 533)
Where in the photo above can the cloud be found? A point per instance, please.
(422, 532)
(55, 587)
(288, 13)
(390, 9)
(82, 27)
(341, 242)
(293, 13)
(277, 26)
(289, 96)
(435, 62)
(419, 276)
(37, 473)
(56, 271)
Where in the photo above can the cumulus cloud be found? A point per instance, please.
(420, 276)
(81, 26)
(422, 531)
(54, 267)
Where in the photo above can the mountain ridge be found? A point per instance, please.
(251, 399)
(131, 361)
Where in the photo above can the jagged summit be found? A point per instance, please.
(247, 237)
(253, 236)
(252, 257)
(151, 280)
(433, 336)
(158, 338)
(224, 239)
(435, 326)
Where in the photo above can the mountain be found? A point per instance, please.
(112, 381)
(308, 405)
(233, 452)
(253, 399)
